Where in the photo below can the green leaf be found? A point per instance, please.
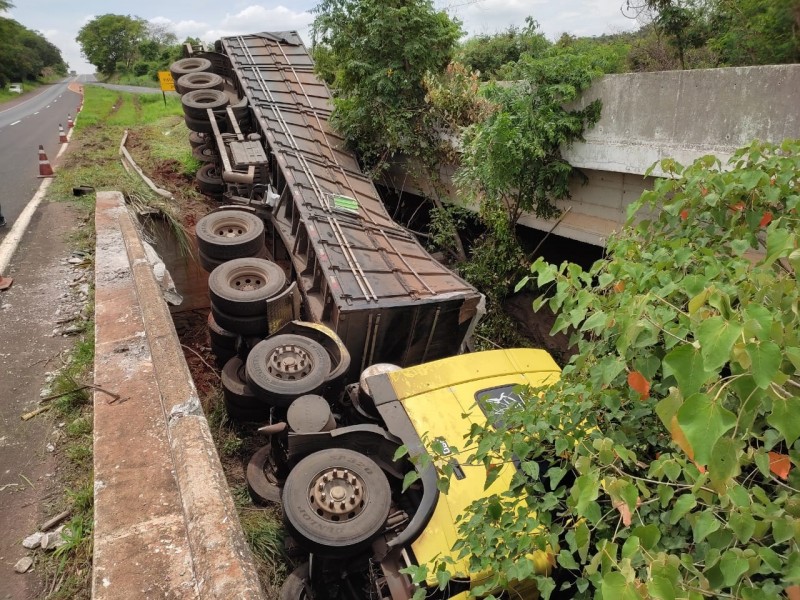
(442, 578)
(785, 417)
(584, 491)
(717, 336)
(743, 525)
(616, 587)
(566, 560)
(765, 358)
(733, 566)
(683, 505)
(400, 453)
(779, 240)
(648, 535)
(724, 463)
(409, 479)
(699, 300)
(685, 363)
(703, 422)
(630, 547)
(521, 283)
(705, 524)
(661, 588)
(582, 539)
(555, 474)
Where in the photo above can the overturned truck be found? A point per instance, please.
(315, 294)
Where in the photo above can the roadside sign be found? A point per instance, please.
(165, 79)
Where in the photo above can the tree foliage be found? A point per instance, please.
(756, 32)
(26, 54)
(717, 32)
(486, 54)
(665, 463)
(375, 55)
(511, 161)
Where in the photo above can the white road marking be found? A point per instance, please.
(12, 239)
(36, 113)
(14, 123)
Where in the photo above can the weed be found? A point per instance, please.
(79, 427)
(82, 499)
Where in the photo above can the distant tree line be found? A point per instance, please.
(674, 34)
(126, 47)
(26, 55)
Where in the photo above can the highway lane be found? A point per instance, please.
(23, 127)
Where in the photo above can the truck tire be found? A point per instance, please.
(205, 154)
(285, 367)
(240, 402)
(197, 102)
(262, 482)
(242, 286)
(247, 326)
(230, 234)
(199, 81)
(197, 139)
(297, 585)
(189, 65)
(222, 338)
(209, 180)
(361, 494)
(198, 125)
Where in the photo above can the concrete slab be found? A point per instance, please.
(162, 505)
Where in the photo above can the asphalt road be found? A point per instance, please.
(25, 123)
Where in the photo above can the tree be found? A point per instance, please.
(511, 162)
(26, 54)
(666, 463)
(487, 53)
(756, 32)
(682, 21)
(109, 41)
(375, 53)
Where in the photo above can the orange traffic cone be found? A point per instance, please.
(45, 169)
(70, 124)
(62, 135)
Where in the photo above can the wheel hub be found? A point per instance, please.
(247, 282)
(290, 362)
(229, 230)
(337, 495)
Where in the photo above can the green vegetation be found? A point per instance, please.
(130, 48)
(689, 34)
(665, 463)
(25, 55)
(375, 54)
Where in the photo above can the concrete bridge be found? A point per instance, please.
(649, 116)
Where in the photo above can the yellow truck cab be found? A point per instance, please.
(344, 501)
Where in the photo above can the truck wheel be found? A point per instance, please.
(197, 102)
(198, 125)
(248, 326)
(297, 585)
(240, 402)
(199, 81)
(222, 338)
(189, 65)
(285, 367)
(263, 485)
(335, 502)
(242, 286)
(230, 234)
(208, 263)
(209, 180)
(197, 139)
(205, 154)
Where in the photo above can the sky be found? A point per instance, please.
(60, 20)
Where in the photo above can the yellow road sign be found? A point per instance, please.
(167, 84)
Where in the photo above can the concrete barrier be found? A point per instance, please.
(165, 523)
